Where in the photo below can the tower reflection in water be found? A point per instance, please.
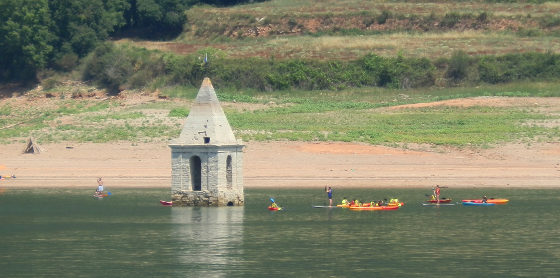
(208, 239)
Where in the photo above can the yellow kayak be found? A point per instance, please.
(374, 208)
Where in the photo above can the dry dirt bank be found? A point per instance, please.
(290, 164)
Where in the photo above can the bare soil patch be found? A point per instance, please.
(540, 103)
(289, 164)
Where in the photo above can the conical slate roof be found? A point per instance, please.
(206, 123)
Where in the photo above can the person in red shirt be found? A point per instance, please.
(437, 192)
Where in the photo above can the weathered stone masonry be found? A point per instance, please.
(206, 159)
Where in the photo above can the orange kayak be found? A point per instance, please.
(490, 201)
(375, 208)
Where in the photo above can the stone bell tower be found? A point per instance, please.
(206, 159)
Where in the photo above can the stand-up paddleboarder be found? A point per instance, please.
(329, 195)
(437, 192)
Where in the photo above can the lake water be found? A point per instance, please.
(67, 233)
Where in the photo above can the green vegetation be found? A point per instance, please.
(359, 115)
(444, 125)
(40, 34)
(135, 68)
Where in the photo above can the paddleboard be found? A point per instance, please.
(326, 206)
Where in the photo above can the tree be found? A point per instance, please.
(81, 24)
(25, 38)
(156, 18)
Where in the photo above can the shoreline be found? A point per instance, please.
(278, 165)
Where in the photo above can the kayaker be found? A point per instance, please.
(485, 199)
(273, 204)
(345, 202)
(329, 195)
(99, 186)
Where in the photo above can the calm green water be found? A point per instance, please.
(66, 233)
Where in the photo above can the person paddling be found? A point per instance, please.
(329, 195)
(99, 190)
(273, 204)
(437, 192)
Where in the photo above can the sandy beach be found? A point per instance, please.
(290, 164)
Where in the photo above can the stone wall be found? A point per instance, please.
(205, 199)
(215, 189)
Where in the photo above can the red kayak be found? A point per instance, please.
(166, 203)
(490, 201)
(442, 201)
(274, 208)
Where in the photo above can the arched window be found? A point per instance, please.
(229, 173)
(196, 167)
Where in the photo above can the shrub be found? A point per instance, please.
(458, 65)
(450, 20)
(382, 18)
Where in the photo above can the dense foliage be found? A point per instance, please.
(125, 67)
(35, 34)
(62, 34)
(25, 38)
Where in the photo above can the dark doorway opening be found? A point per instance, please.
(196, 167)
(229, 172)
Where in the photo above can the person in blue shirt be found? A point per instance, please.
(329, 195)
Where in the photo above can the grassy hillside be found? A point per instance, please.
(375, 116)
(349, 29)
(275, 45)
